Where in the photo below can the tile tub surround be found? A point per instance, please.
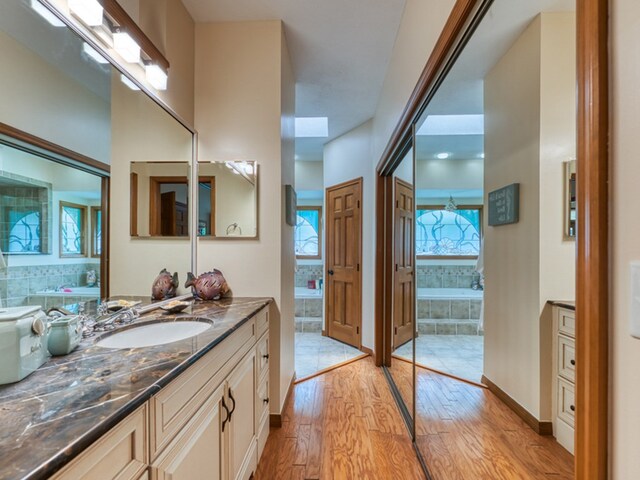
(71, 401)
(446, 276)
(308, 309)
(438, 315)
(304, 273)
(19, 284)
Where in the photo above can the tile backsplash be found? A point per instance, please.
(17, 284)
(308, 272)
(446, 276)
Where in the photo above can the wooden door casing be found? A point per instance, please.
(343, 261)
(403, 275)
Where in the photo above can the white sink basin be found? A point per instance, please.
(154, 334)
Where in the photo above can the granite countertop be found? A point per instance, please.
(55, 413)
(570, 304)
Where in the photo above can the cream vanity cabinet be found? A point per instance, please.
(564, 376)
(211, 422)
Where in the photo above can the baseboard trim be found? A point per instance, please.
(366, 350)
(275, 419)
(541, 428)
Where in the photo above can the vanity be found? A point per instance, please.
(181, 410)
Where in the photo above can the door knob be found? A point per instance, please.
(330, 272)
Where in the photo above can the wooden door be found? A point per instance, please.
(168, 213)
(241, 397)
(198, 450)
(344, 256)
(403, 242)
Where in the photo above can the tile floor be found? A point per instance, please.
(315, 352)
(459, 355)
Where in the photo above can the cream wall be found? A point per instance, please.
(309, 176)
(34, 93)
(450, 174)
(529, 133)
(346, 158)
(421, 24)
(624, 416)
(244, 103)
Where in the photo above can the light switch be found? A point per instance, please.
(634, 313)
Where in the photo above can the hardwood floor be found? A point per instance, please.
(345, 425)
(341, 425)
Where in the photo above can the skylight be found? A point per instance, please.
(452, 125)
(312, 127)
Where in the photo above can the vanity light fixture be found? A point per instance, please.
(126, 47)
(89, 11)
(93, 54)
(127, 81)
(45, 13)
(248, 168)
(442, 155)
(156, 76)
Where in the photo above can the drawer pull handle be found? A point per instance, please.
(233, 408)
(227, 416)
(572, 408)
(266, 400)
(266, 356)
(573, 362)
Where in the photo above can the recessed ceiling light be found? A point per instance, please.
(452, 125)
(93, 54)
(442, 155)
(127, 81)
(45, 13)
(126, 47)
(89, 11)
(156, 77)
(312, 127)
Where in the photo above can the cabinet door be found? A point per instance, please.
(196, 453)
(241, 393)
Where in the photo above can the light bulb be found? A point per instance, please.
(156, 76)
(126, 47)
(89, 11)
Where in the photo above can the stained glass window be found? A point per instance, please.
(96, 231)
(307, 232)
(72, 230)
(442, 233)
(24, 232)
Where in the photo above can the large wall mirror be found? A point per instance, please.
(58, 94)
(464, 318)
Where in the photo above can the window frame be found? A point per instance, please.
(83, 230)
(451, 257)
(94, 230)
(320, 221)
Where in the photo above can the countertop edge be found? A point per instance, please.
(570, 304)
(65, 456)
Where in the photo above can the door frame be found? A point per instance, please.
(592, 240)
(356, 181)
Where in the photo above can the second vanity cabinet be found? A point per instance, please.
(211, 422)
(564, 376)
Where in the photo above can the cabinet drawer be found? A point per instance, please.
(263, 356)
(262, 321)
(567, 358)
(121, 454)
(567, 322)
(566, 402)
(176, 403)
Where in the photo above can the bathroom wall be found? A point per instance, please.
(309, 176)
(529, 133)
(346, 158)
(244, 95)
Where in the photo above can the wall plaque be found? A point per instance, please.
(504, 205)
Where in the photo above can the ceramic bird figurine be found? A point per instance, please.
(208, 286)
(165, 285)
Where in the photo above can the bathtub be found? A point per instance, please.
(303, 292)
(72, 292)
(449, 294)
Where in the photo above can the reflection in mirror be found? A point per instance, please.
(51, 245)
(160, 199)
(570, 214)
(403, 312)
(228, 199)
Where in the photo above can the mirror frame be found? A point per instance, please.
(592, 238)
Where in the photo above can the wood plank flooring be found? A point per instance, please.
(345, 425)
(342, 425)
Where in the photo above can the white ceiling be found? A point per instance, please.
(340, 50)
